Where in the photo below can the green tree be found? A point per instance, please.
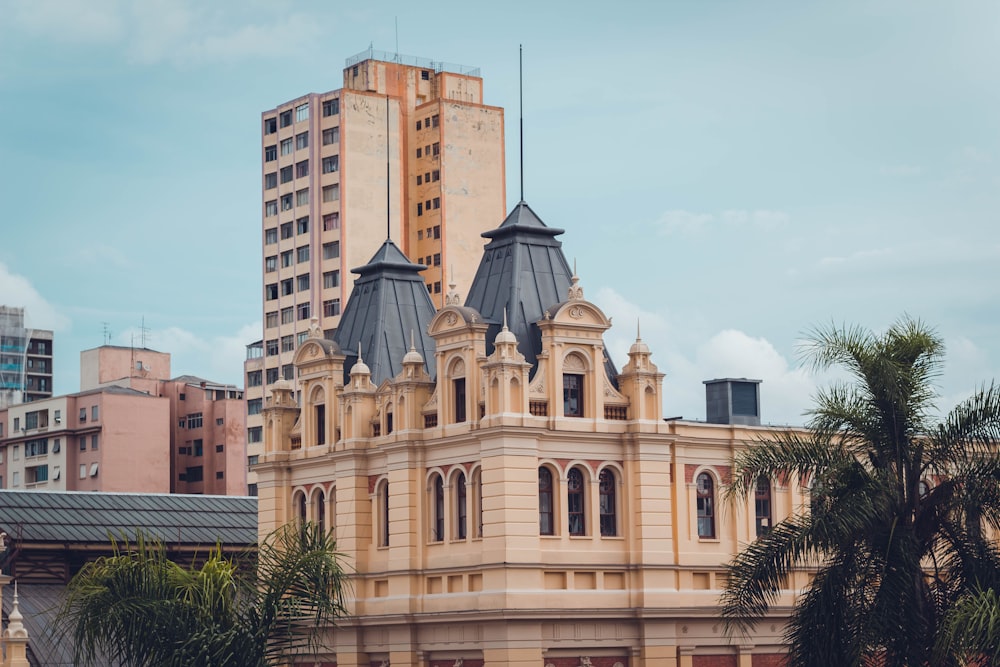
(140, 609)
(899, 506)
(970, 633)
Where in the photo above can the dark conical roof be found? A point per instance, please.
(523, 270)
(389, 301)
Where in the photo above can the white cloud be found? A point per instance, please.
(684, 222)
(219, 358)
(16, 290)
(181, 32)
(760, 219)
(687, 359)
(861, 256)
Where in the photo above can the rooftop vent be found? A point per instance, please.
(732, 401)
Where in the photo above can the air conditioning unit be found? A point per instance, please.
(58, 420)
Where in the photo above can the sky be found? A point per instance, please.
(730, 175)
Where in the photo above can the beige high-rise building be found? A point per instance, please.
(406, 150)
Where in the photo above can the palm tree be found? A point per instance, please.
(140, 609)
(970, 634)
(898, 507)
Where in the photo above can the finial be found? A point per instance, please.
(638, 335)
(412, 346)
(574, 266)
(15, 628)
(359, 351)
(505, 318)
(575, 292)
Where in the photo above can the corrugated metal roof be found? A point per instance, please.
(388, 302)
(80, 517)
(39, 605)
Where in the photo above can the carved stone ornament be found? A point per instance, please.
(538, 387)
(576, 312)
(313, 350)
(452, 298)
(459, 663)
(450, 319)
(585, 662)
(575, 290)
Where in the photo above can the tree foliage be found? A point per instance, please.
(900, 506)
(140, 609)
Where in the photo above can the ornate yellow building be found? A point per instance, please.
(505, 496)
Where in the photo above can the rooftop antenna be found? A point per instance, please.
(106, 326)
(388, 203)
(397, 38)
(143, 332)
(520, 82)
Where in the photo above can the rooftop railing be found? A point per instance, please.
(412, 61)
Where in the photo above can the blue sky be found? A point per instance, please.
(729, 173)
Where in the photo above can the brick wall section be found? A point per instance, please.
(769, 660)
(714, 661)
(725, 473)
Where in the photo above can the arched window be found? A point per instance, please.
(319, 511)
(762, 505)
(461, 509)
(706, 505)
(300, 507)
(575, 502)
(545, 524)
(438, 490)
(477, 490)
(573, 394)
(609, 519)
(383, 508)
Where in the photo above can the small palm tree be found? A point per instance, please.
(899, 504)
(140, 609)
(970, 634)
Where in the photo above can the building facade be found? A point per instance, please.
(130, 428)
(406, 150)
(25, 359)
(504, 495)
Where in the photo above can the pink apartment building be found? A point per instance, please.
(130, 428)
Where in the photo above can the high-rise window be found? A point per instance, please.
(286, 287)
(303, 253)
(301, 113)
(331, 221)
(302, 169)
(331, 250)
(272, 376)
(331, 164)
(254, 406)
(285, 118)
(302, 197)
(288, 372)
(270, 125)
(286, 258)
(331, 279)
(271, 319)
(331, 307)
(255, 378)
(286, 202)
(302, 225)
(271, 153)
(288, 343)
(286, 174)
(286, 146)
(331, 135)
(331, 107)
(302, 282)
(271, 208)
(301, 140)
(331, 192)
(303, 311)
(270, 291)
(271, 235)
(287, 316)
(270, 181)
(270, 264)
(255, 434)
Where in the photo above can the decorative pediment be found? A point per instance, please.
(579, 311)
(451, 318)
(316, 349)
